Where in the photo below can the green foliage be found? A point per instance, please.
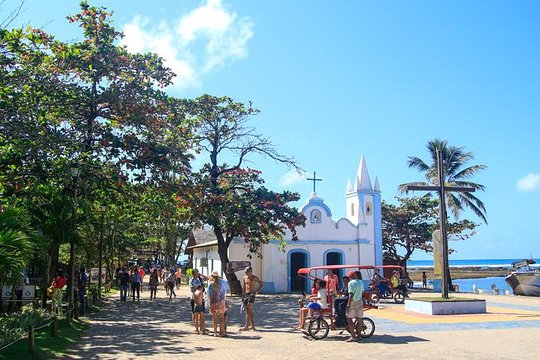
(409, 225)
(15, 325)
(92, 102)
(232, 199)
(47, 347)
(16, 246)
(455, 173)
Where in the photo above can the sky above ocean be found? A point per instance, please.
(338, 80)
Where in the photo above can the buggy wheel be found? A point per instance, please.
(375, 298)
(369, 328)
(399, 297)
(318, 328)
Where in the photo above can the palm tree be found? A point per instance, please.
(16, 245)
(454, 173)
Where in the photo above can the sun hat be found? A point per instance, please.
(215, 274)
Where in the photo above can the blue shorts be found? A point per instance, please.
(314, 306)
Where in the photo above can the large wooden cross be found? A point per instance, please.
(441, 189)
(314, 179)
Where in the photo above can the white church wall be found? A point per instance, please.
(357, 239)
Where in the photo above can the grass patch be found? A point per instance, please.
(436, 299)
(48, 347)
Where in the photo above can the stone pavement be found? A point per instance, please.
(161, 329)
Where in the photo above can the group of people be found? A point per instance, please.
(133, 279)
(214, 295)
(386, 286)
(348, 303)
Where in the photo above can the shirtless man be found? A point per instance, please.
(252, 285)
(199, 310)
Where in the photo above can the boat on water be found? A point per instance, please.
(524, 280)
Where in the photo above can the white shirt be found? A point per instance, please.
(323, 298)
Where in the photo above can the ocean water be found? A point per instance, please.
(481, 284)
(467, 285)
(476, 262)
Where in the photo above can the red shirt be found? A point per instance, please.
(59, 282)
(331, 283)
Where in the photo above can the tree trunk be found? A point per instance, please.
(31, 340)
(53, 267)
(54, 326)
(234, 283)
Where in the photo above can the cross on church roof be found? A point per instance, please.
(314, 179)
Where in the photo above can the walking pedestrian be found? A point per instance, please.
(141, 273)
(171, 283)
(136, 283)
(355, 305)
(83, 280)
(124, 283)
(153, 283)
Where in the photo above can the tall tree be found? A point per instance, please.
(231, 199)
(456, 172)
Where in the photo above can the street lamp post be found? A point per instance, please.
(74, 170)
(100, 260)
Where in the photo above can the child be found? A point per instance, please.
(227, 308)
(319, 301)
(199, 310)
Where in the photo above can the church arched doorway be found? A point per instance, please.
(335, 257)
(297, 259)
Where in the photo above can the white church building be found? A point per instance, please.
(356, 239)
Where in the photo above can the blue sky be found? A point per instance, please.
(338, 80)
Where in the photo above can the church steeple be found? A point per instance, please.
(363, 181)
(377, 186)
(349, 187)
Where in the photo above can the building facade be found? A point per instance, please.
(355, 239)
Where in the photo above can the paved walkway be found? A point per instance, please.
(162, 329)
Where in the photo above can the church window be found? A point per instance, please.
(315, 216)
(352, 209)
(368, 208)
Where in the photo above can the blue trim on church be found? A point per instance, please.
(339, 251)
(289, 275)
(377, 228)
(317, 242)
(317, 202)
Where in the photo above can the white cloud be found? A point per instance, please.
(207, 38)
(291, 177)
(531, 182)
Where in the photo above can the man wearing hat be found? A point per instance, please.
(251, 285)
(355, 305)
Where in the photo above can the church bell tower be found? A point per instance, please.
(363, 208)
